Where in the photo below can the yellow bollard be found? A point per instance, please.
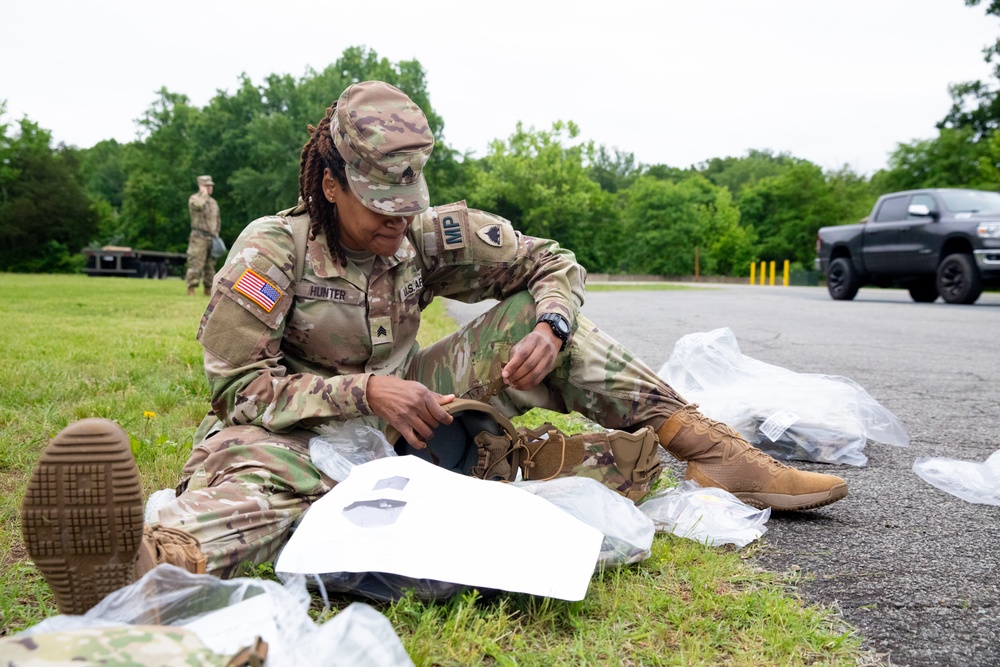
(763, 271)
(753, 270)
(771, 283)
(784, 280)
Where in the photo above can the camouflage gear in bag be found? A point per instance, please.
(481, 442)
(628, 463)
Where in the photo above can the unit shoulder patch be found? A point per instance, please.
(491, 234)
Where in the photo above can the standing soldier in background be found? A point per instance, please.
(205, 226)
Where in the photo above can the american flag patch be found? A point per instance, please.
(257, 289)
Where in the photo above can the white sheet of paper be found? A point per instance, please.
(452, 528)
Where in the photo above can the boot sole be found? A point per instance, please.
(82, 515)
(782, 502)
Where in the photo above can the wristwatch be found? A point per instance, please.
(560, 327)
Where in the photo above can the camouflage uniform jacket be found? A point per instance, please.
(282, 355)
(204, 214)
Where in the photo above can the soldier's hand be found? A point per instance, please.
(532, 359)
(410, 407)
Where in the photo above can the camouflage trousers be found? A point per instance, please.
(200, 263)
(244, 488)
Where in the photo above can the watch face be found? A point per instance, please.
(558, 322)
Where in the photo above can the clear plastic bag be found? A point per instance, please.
(628, 533)
(973, 482)
(229, 614)
(789, 415)
(156, 500)
(346, 445)
(707, 515)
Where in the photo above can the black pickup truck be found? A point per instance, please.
(934, 242)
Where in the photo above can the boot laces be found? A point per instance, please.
(728, 436)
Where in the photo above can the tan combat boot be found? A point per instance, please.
(208, 291)
(190, 290)
(82, 518)
(719, 456)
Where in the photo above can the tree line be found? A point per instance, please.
(617, 215)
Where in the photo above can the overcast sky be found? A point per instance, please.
(674, 82)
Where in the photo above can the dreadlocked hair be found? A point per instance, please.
(319, 154)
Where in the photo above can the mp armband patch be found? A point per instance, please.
(452, 226)
(258, 289)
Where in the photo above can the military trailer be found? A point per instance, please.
(131, 263)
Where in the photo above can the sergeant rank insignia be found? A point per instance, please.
(491, 234)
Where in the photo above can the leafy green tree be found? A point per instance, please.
(667, 221)
(851, 196)
(249, 141)
(975, 104)
(8, 172)
(787, 210)
(736, 173)
(45, 216)
(664, 172)
(989, 163)
(540, 182)
(731, 245)
(613, 170)
(102, 170)
(161, 175)
(953, 159)
(975, 107)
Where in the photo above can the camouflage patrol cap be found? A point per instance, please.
(205, 180)
(385, 140)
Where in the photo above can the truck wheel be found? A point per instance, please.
(924, 291)
(842, 281)
(958, 279)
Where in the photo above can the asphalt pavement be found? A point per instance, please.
(915, 570)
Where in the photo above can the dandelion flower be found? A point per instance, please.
(148, 415)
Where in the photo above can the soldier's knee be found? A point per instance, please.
(519, 307)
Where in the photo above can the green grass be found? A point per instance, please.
(125, 350)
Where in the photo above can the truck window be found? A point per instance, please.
(971, 201)
(892, 209)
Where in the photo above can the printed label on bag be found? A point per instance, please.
(777, 424)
